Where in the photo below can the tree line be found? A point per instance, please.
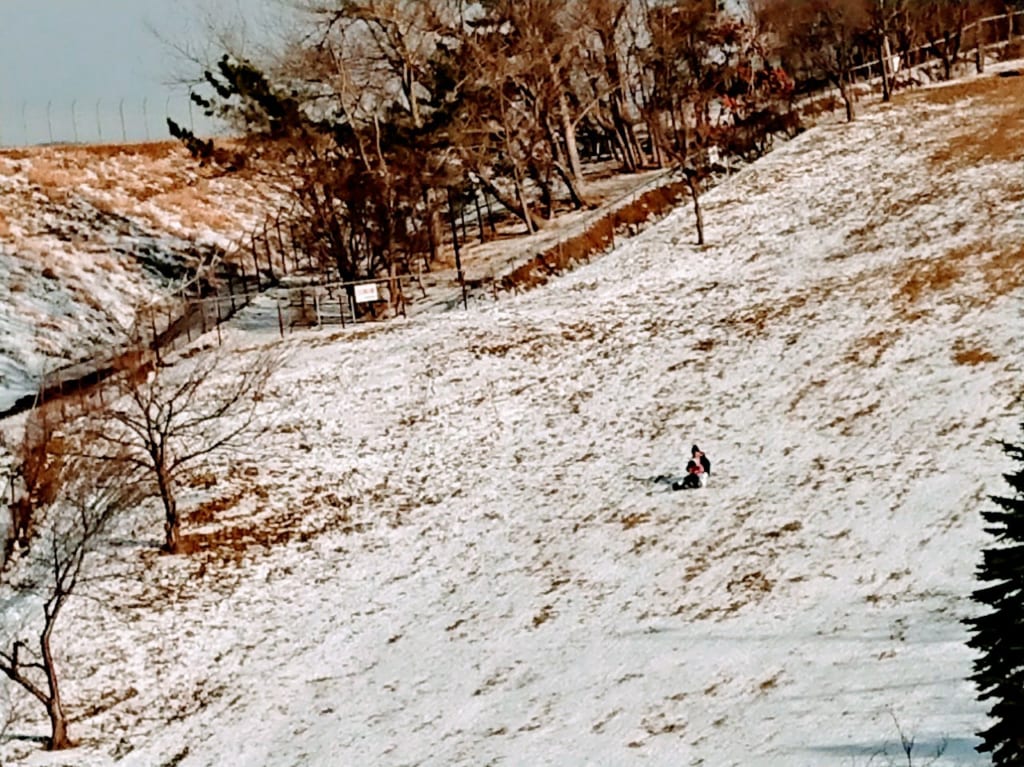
(380, 120)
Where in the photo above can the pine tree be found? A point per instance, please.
(999, 634)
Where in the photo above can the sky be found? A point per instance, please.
(72, 67)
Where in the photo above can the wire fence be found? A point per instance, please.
(982, 38)
(98, 120)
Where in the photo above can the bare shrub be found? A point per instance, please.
(165, 417)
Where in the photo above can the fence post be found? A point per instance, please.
(479, 214)
(255, 262)
(284, 252)
(280, 317)
(156, 340)
(270, 253)
(219, 320)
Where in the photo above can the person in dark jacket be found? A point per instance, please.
(698, 470)
(705, 463)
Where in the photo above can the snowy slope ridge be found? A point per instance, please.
(87, 234)
(443, 548)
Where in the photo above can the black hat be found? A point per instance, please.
(694, 449)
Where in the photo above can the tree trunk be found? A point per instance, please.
(458, 250)
(575, 195)
(569, 135)
(517, 206)
(409, 88)
(59, 738)
(694, 187)
(543, 182)
(623, 131)
(432, 225)
(844, 91)
(560, 161)
(885, 56)
(172, 522)
(479, 215)
(527, 217)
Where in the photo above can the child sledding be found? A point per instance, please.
(698, 472)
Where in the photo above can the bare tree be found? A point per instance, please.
(821, 39)
(604, 22)
(712, 93)
(943, 24)
(168, 415)
(890, 21)
(89, 493)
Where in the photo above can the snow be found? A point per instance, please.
(451, 551)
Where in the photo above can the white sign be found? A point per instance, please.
(366, 294)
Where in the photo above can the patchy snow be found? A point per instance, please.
(89, 233)
(448, 549)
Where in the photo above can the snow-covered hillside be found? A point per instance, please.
(88, 234)
(444, 547)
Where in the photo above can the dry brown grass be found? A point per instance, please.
(971, 356)
(922, 281)
(987, 87)
(922, 278)
(598, 237)
(50, 175)
(211, 510)
(154, 182)
(629, 521)
(868, 350)
(997, 138)
(755, 319)
(1003, 271)
(148, 149)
